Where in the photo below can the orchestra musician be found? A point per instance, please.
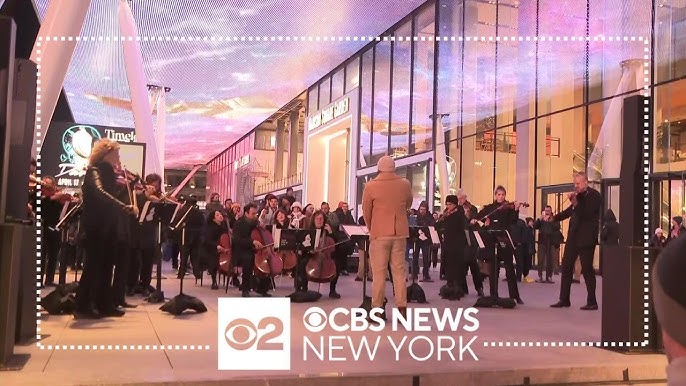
(452, 225)
(424, 218)
(319, 222)
(33, 182)
(127, 233)
(191, 238)
(52, 201)
(216, 227)
(243, 249)
(297, 217)
(472, 247)
(141, 278)
(281, 220)
(94, 297)
(501, 215)
(269, 211)
(582, 238)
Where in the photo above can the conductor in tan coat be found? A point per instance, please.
(385, 202)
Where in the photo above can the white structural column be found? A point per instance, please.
(441, 159)
(279, 149)
(294, 126)
(161, 129)
(140, 99)
(64, 18)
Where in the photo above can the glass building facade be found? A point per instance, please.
(522, 93)
(517, 110)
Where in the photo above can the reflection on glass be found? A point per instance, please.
(477, 172)
(670, 127)
(324, 92)
(400, 115)
(423, 86)
(366, 109)
(352, 75)
(449, 72)
(417, 175)
(560, 147)
(312, 100)
(670, 40)
(337, 84)
(382, 84)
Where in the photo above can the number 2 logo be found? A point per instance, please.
(242, 334)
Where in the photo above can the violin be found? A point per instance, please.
(55, 194)
(267, 263)
(321, 267)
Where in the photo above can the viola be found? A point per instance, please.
(321, 267)
(267, 263)
(225, 257)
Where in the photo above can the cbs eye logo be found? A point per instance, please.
(315, 319)
(242, 334)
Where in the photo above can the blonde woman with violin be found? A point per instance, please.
(94, 297)
(501, 215)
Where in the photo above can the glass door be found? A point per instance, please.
(671, 200)
(556, 197)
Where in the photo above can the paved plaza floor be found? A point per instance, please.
(183, 349)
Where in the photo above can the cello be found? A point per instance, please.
(225, 256)
(267, 263)
(321, 267)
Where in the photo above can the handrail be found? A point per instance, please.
(280, 184)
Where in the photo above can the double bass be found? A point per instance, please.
(321, 268)
(267, 263)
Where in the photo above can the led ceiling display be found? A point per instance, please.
(220, 90)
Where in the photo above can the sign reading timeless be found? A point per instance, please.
(329, 113)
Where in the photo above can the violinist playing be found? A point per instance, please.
(52, 201)
(472, 247)
(243, 249)
(501, 215)
(216, 227)
(94, 297)
(146, 254)
(452, 225)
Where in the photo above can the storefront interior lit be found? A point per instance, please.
(328, 168)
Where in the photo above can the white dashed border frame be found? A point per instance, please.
(646, 162)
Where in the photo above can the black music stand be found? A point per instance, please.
(503, 240)
(360, 234)
(182, 302)
(70, 214)
(158, 213)
(298, 240)
(415, 293)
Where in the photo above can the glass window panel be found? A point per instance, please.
(560, 147)
(352, 75)
(506, 161)
(477, 171)
(382, 84)
(449, 72)
(324, 92)
(453, 164)
(670, 127)
(423, 83)
(562, 18)
(312, 100)
(478, 106)
(337, 83)
(366, 109)
(400, 114)
(560, 75)
(670, 40)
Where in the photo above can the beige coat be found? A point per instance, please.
(385, 202)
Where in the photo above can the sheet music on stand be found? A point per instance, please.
(479, 240)
(435, 238)
(355, 230)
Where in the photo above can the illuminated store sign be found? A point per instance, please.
(68, 146)
(329, 113)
